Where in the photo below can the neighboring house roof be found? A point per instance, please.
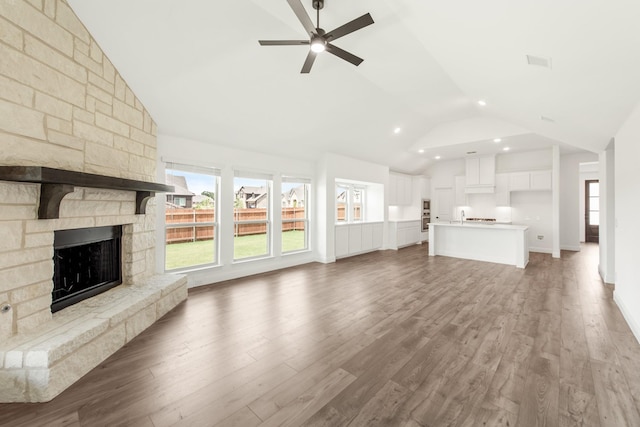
(180, 184)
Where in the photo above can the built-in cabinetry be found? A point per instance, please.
(404, 233)
(530, 181)
(503, 195)
(460, 196)
(400, 189)
(353, 239)
(480, 174)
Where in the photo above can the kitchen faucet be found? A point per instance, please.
(462, 216)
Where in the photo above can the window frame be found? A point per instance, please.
(216, 175)
(240, 174)
(306, 183)
(350, 203)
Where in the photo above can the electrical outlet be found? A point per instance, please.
(540, 237)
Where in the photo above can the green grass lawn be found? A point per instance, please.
(180, 255)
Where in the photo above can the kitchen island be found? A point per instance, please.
(499, 243)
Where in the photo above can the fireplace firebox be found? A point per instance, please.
(87, 261)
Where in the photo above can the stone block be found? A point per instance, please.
(13, 386)
(21, 120)
(81, 46)
(108, 71)
(92, 134)
(83, 115)
(18, 193)
(10, 34)
(12, 212)
(26, 256)
(101, 155)
(72, 339)
(101, 83)
(85, 208)
(46, 54)
(33, 322)
(169, 302)
(65, 140)
(11, 232)
(33, 240)
(36, 359)
(127, 208)
(130, 146)
(30, 307)
(150, 153)
(16, 92)
(103, 108)
(50, 8)
(95, 52)
(140, 321)
(36, 290)
(24, 275)
(100, 94)
(37, 75)
(145, 138)
(59, 126)
(120, 88)
(20, 151)
(13, 359)
(146, 122)
(53, 106)
(109, 195)
(35, 22)
(112, 125)
(6, 323)
(129, 97)
(67, 19)
(36, 3)
(83, 59)
(127, 114)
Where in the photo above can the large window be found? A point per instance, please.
(349, 202)
(191, 227)
(251, 215)
(295, 219)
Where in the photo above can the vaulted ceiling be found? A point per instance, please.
(198, 68)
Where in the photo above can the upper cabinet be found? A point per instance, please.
(530, 181)
(480, 174)
(400, 189)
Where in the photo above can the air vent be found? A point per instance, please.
(539, 61)
(547, 119)
(471, 152)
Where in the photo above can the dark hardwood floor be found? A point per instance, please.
(388, 338)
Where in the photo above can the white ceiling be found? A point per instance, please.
(198, 68)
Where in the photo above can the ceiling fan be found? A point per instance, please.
(319, 40)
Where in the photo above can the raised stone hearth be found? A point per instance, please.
(39, 365)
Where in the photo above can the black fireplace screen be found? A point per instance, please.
(87, 261)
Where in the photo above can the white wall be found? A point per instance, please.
(524, 161)
(533, 208)
(607, 267)
(571, 189)
(181, 150)
(627, 207)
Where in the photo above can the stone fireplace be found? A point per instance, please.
(64, 106)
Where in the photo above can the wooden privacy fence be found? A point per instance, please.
(194, 232)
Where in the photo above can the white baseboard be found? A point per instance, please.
(570, 248)
(541, 250)
(635, 328)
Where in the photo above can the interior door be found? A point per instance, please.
(444, 204)
(592, 211)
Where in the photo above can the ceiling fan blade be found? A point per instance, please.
(301, 13)
(340, 53)
(308, 63)
(283, 42)
(349, 27)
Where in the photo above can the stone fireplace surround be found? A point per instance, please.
(42, 354)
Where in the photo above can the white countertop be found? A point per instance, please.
(405, 220)
(476, 225)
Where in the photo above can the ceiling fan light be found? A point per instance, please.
(318, 45)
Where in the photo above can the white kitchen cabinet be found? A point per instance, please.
(342, 240)
(460, 197)
(519, 181)
(425, 188)
(400, 189)
(353, 239)
(530, 181)
(480, 171)
(540, 180)
(404, 233)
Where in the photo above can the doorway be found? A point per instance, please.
(592, 211)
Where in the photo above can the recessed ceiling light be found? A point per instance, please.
(482, 103)
(497, 140)
(421, 151)
(506, 149)
(437, 157)
(397, 130)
